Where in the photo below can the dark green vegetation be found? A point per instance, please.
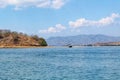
(12, 38)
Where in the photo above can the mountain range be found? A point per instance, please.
(81, 40)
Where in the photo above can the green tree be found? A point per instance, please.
(42, 42)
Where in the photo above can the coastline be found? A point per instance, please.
(25, 46)
(45, 46)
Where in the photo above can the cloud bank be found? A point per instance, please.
(18, 4)
(55, 29)
(82, 22)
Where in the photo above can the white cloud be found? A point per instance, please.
(57, 3)
(102, 22)
(18, 4)
(57, 28)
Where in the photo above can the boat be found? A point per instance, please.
(70, 46)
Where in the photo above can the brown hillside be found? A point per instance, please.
(8, 38)
(108, 44)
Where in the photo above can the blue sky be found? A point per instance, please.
(48, 18)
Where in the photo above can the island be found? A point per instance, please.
(13, 39)
(105, 44)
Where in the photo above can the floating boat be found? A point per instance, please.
(70, 46)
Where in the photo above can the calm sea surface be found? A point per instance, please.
(80, 63)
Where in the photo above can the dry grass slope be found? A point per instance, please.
(8, 38)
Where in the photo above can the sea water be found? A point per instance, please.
(60, 63)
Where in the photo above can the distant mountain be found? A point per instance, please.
(81, 40)
(15, 39)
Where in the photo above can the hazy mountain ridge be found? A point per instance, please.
(81, 40)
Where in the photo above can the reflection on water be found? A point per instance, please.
(88, 63)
